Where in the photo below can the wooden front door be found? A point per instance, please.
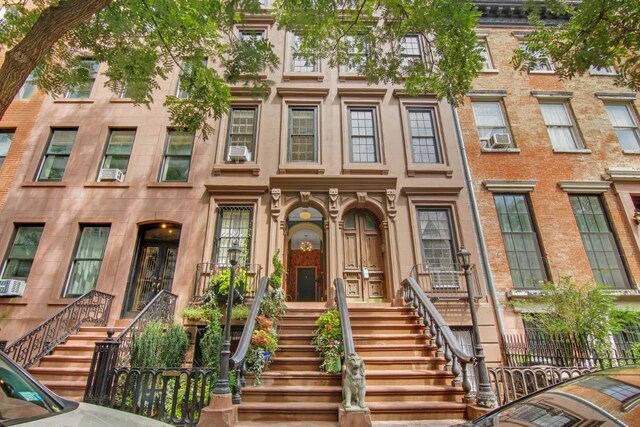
(363, 255)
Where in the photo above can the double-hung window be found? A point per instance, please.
(186, 68)
(483, 47)
(242, 130)
(520, 240)
(560, 126)
(234, 226)
(598, 240)
(23, 251)
(303, 134)
(55, 159)
(602, 71)
(543, 62)
(118, 150)
(424, 135)
(298, 63)
(363, 135)
(438, 246)
(411, 50)
(87, 261)
(26, 91)
(248, 35)
(83, 90)
(356, 54)
(177, 156)
(625, 124)
(490, 120)
(6, 137)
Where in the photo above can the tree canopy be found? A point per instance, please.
(142, 41)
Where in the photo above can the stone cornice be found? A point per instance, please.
(324, 183)
(505, 13)
(302, 91)
(237, 190)
(622, 174)
(509, 186)
(582, 187)
(362, 91)
(551, 94)
(616, 96)
(487, 93)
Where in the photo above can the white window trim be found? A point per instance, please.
(575, 132)
(634, 118)
(497, 98)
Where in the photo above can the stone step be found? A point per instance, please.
(389, 339)
(387, 328)
(413, 393)
(383, 318)
(285, 412)
(74, 389)
(285, 363)
(402, 350)
(73, 350)
(299, 378)
(53, 361)
(408, 377)
(298, 350)
(292, 393)
(416, 411)
(298, 328)
(403, 363)
(60, 373)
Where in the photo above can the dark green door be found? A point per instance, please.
(306, 283)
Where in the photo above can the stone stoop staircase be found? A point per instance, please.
(293, 389)
(66, 368)
(406, 380)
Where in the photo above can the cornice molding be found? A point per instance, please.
(505, 13)
(362, 91)
(622, 174)
(487, 93)
(237, 190)
(552, 94)
(584, 187)
(302, 91)
(324, 183)
(616, 96)
(509, 186)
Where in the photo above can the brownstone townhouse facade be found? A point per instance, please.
(344, 178)
(555, 167)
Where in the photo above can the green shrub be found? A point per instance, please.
(211, 341)
(146, 348)
(221, 280)
(240, 312)
(328, 340)
(176, 344)
(275, 280)
(273, 306)
(196, 314)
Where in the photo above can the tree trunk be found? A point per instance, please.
(53, 23)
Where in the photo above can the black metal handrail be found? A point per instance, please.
(345, 322)
(437, 329)
(237, 360)
(92, 307)
(160, 309)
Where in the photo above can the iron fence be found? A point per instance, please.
(92, 307)
(446, 282)
(205, 271)
(511, 383)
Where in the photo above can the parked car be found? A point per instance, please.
(26, 402)
(609, 397)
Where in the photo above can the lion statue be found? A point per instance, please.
(354, 383)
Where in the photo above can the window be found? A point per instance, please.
(363, 136)
(242, 129)
(411, 50)
(520, 240)
(56, 156)
(464, 336)
(22, 252)
(610, 386)
(26, 91)
(560, 125)
(487, 64)
(185, 68)
(299, 64)
(118, 150)
(543, 63)
(356, 58)
(177, 156)
(83, 90)
(303, 134)
(598, 240)
(602, 71)
(85, 267)
(436, 235)
(625, 124)
(6, 137)
(423, 134)
(251, 35)
(234, 225)
(490, 119)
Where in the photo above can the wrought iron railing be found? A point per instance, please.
(437, 329)
(540, 348)
(345, 322)
(206, 270)
(92, 307)
(509, 383)
(237, 360)
(160, 309)
(110, 354)
(446, 282)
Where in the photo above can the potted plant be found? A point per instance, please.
(220, 283)
(328, 341)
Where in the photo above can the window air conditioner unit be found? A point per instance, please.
(12, 287)
(111, 175)
(239, 154)
(499, 140)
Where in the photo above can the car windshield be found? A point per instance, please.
(20, 398)
(605, 398)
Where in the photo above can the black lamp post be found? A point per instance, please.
(222, 387)
(485, 397)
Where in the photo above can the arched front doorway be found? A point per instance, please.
(363, 255)
(153, 266)
(305, 258)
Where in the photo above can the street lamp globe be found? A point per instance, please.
(234, 253)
